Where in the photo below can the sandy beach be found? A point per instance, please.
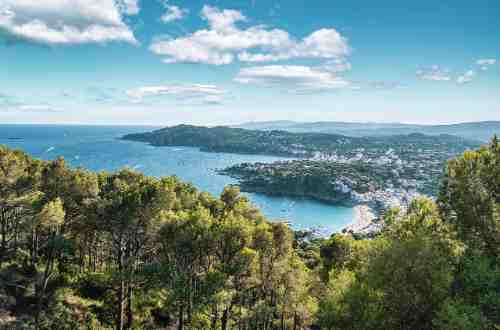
(363, 218)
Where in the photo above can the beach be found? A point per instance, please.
(363, 219)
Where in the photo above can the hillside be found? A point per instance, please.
(299, 145)
(481, 131)
(379, 171)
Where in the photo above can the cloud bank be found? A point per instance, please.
(300, 79)
(224, 41)
(63, 22)
(205, 94)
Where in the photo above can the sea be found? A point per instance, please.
(99, 148)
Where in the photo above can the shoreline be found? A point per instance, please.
(363, 220)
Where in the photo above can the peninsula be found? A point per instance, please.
(378, 172)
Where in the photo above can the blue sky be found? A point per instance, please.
(220, 62)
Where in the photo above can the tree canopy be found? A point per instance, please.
(83, 250)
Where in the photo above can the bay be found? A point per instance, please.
(99, 148)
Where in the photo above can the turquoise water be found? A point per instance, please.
(97, 148)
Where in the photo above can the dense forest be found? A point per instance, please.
(83, 250)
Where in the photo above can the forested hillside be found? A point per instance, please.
(301, 145)
(405, 162)
(83, 250)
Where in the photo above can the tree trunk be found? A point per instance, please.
(16, 236)
(130, 316)
(3, 245)
(41, 287)
(181, 317)
(224, 319)
(34, 247)
(37, 314)
(121, 302)
(190, 300)
(94, 259)
(215, 318)
(121, 292)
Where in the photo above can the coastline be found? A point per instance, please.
(365, 216)
(363, 222)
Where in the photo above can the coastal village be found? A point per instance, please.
(378, 173)
(392, 178)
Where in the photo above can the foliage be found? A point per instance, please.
(126, 251)
(81, 250)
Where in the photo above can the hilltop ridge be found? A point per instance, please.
(482, 130)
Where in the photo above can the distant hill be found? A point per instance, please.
(294, 144)
(417, 158)
(482, 131)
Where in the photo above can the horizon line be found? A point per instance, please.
(246, 123)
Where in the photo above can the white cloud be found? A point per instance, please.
(466, 77)
(224, 41)
(485, 63)
(384, 85)
(338, 65)
(321, 44)
(297, 78)
(67, 21)
(435, 73)
(129, 7)
(100, 95)
(222, 21)
(189, 50)
(213, 100)
(174, 13)
(36, 108)
(257, 58)
(207, 94)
